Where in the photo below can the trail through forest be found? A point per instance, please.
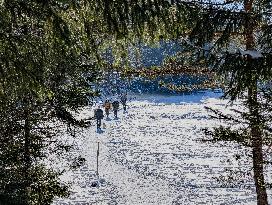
(154, 154)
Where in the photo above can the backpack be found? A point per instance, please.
(98, 113)
(115, 105)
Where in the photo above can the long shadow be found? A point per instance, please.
(99, 131)
(108, 119)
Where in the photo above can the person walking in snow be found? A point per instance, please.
(107, 106)
(124, 101)
(98, 114)
(115, 107)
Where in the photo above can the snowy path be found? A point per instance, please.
(152, 155)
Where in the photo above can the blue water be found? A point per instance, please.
(193, 97)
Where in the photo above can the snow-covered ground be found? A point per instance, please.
(153, 155)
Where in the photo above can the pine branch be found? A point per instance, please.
(219, 115)
(227, 134)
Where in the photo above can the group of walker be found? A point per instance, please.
(99, 115)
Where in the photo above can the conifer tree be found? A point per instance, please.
(45, 72)
(233, 38)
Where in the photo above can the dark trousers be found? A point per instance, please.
(115, 113)
(107, 111)
(98, 123)
(124, 107)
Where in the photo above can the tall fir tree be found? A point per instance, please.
(233, 39)
(45, 72)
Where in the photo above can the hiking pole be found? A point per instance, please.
(97, 160)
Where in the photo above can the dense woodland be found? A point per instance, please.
(53, 52)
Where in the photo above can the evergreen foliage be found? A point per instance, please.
(45, 72)
(51, 52)
(233, 39)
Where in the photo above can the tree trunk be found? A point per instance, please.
(27, 157)
(257, 144)
(255, 120)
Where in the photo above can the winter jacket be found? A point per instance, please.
(115, 105)
(98, 113)
(123, 99)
